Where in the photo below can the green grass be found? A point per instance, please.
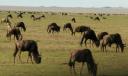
(55, 49)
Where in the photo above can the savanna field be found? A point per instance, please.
(55, 48)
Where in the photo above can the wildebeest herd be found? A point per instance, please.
(102, 40)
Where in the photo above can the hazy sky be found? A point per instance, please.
(67, 3)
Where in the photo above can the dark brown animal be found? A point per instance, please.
(101, 35)
(112, 39)
(9, 16)
(20, 15)
(6, 20)
(68, 26)
(83, 56)
(81, 29)
(30, 46)
(37, 18)
(97, 18)
(21, 25)
(53, 27)
(73, 20)
(14, 31)
(90, 34)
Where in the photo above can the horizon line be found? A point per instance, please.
(63, 6)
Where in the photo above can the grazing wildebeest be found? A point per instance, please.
(43, 16)
(81, 29)
(90, 34)
(20, 15)
(14, 31)
(101, 35)
(68, 26)
(36, 18)
(73, 20)
(21, 25)
(30, 46)
(32, 16)
(83, 55)
(9, 16)
(112, 39)
(53, 27)
(97, 18)
(91, 17)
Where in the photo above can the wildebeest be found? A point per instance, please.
(90, 34)
(82, 56)
(21, 25)
(81, 29)
(20, 15)
(30, 46)
(73, 20)
(112, 39)
(53, 27)
(36, 18)
(101, 35)
(14, 31)
(43, 16)
(6, 19)
(68, 26)
(97, 18)
(9, 16)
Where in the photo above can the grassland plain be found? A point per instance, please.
(55, 49)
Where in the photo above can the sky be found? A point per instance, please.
(66, 3)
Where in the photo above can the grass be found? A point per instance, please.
(55, 49)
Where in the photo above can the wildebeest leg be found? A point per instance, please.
(74, 70)
(91, 43)
(101, 47)
(14, 37)
(20, 56)
(85, 42)
(117, 48)
(81, 69)
(17, 37)
(89, 68)
(29, 56)
(105, 48)
(15, 53)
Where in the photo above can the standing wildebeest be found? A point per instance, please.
(6, 20)
(81, 29)
(14, 31)
(69, 26)
(53, 27)
(43, 16)
(73, 20)
(90, 34)
(21, 25)
(83, 55)
(101, 35)
(31, 47)
(112, 39)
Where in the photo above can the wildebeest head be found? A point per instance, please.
(71, 63)
(37, 59)
(10, 16)
(22, 25)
